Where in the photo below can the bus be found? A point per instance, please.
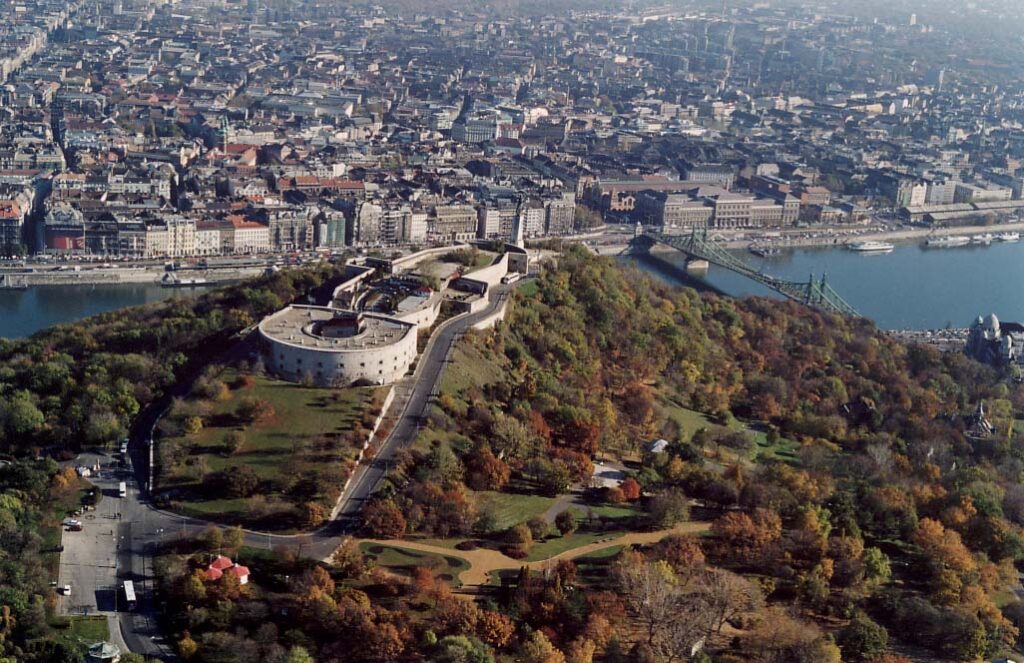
(122, 490)
(128, 587)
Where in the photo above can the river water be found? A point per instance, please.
(910, 288)
(23, 312)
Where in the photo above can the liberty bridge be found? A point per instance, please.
(816, 293)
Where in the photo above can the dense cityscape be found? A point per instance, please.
(147, 130)
(372, 332)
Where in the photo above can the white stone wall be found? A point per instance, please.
(328, 367)
(425, 316)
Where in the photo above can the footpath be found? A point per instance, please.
(485, 561)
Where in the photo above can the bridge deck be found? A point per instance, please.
(816, 293)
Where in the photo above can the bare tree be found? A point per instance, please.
(727, 596)
(674, 614)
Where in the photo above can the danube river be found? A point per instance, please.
(23, 312)
(910, 288)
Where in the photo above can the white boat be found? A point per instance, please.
(172, 281)
(763, 251)
(948, 242)
(1008, 237)
(871, 247)
(984, 240)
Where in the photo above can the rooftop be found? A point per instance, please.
(302, 326)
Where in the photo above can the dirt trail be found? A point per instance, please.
(483, 561)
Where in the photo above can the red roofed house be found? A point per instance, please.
(221, 565)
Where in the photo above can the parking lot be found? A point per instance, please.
(89, 560)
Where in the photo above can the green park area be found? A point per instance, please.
(763, 447)
(250, 450)
(404, 561)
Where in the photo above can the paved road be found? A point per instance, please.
(428, 378)
(89, 563)
(142, 526)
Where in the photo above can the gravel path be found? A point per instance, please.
(484, 561)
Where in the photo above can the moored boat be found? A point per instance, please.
(948, 241)
(172, 281)
(764, 251)
(871, 247)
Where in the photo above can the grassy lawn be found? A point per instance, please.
(428, 436)
(560, 544)
(82, 629)
(90, 629)
(613, 512)
(595, 565)
(529, 288)
(470, 367)
(313, 435)
(481, 259)
(511, 508)
(689, 421)
(403, 561)
(784, 450)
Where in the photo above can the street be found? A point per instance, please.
(89, 563)
(112, 549)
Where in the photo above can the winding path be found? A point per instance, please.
(484, 561)
(144, 526)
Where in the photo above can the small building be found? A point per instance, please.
(978, 425)
(221, 565)
(103, 652)
(658, 446)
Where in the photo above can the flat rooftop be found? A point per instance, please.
(296, 326)
(412, 303)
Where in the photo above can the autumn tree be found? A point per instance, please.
(187, 647)
(682, 553)
(254, 410)
(537, 648)
(383, 519)
(485, 471)
(233, 539)
(581, 650)
(494, 628)
(313, 514)
(781, 638)
(233, 442)
(630, 489)
(519, 540)
(863, 640)
(462, 649)
(747, 536)
(668, 508)
(565, 522)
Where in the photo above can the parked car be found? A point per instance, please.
(66, 590)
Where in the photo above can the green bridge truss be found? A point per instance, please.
(816, 293)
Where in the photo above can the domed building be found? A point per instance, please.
(995, 343)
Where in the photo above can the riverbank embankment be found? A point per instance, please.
(115, 275)
(839, 235)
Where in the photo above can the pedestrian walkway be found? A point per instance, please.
(485, 561)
